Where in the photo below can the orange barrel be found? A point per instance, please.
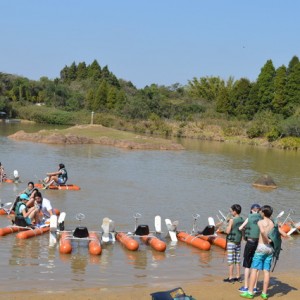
(155, 243)
(94, 244)
(32, 232)
(193, 240)
(129, 242)
(7, 180)
(11, 229)
(285, 227)
(215, 240)
(65, 245)
(56, 211)
(2, 212)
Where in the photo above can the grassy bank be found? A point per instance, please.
(204, 129)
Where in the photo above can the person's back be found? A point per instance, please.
(251, 236)
(265, 225)
(262, 259)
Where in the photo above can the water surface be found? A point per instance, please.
(118, 183)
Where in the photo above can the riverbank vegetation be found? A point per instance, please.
(265, 111)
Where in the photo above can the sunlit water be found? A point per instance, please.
(115, 183)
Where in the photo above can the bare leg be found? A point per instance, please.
(247, 275)
(266, 281)
(238, 270)
(231, 271)
(252, 280)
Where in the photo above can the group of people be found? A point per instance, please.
(258, 251)
(58, 177)
(30, 207)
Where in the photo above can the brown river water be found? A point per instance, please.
(116, 183)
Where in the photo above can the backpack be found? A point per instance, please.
(275, 236)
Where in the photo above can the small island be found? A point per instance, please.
(97, 134)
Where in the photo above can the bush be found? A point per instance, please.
(291, 126)
(254, 131)
(273, 135)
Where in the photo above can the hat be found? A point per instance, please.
(255, 206)
(24, 197)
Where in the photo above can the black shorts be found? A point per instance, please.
(249, 253)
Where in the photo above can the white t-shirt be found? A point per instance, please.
(46, 206)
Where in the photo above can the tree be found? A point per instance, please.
(82, 71)
(100, 100)
(294, 61)
(223, 101)
(279, 101)
(293, 86)
(72, 74)
(240, 98)
(206, 88)
(265, 83)
(94, 70)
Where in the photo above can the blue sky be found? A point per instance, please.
(145, 42)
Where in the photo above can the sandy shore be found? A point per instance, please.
(283, 286)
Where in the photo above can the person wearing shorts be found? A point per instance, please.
(234, 237)
(251, 236)
(263, 255)
(59, 177)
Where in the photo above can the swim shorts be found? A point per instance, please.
(233, 253)
(249, 253)
(262, 261)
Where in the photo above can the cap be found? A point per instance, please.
(24, 197)
(255, 206)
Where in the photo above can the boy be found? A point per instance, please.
(263, 255)
(234, 237)
(251, 236)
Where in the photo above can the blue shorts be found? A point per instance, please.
(60, 181)
(262, 261)
(28, 221)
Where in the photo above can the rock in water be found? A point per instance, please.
(265, 181)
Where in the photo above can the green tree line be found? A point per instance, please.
(270, 104)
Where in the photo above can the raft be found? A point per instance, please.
(214, 240)
(193, 241)
(127, 241)
(65, 243)
(155, 243)
(72, 187)
(32, 232)
(290, 228)
(11, 229)
(7, 180)
(3, 212)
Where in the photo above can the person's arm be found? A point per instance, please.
(229, 226)
(244, 224)
(27, 213)
(53, 173)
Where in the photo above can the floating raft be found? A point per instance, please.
(11, 229)
(7, 180)
(72, 187)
